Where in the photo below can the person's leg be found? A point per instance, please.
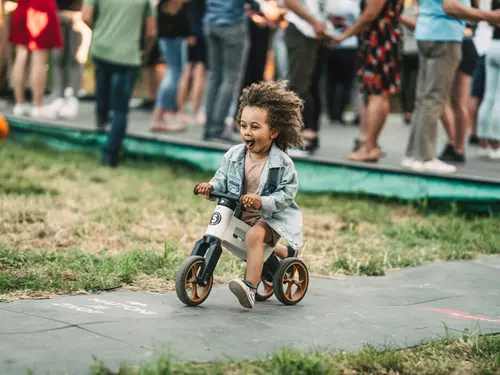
(280, 55)
(38, 75)
(303, 55)
(198, 87)
(103, 73)
(441, 61)
(255, 238)
(122, 85)
(166, 104)
(234, 56)
(214, 79)
(346, 78)
(332, 73)
(59, 74)
(460, 103)
(448, 120)
(184, 85)
(18, 79)
(493, 73)
(376, 112)
(311, 134)
(477, 93)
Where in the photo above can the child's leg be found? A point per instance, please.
(254, 241)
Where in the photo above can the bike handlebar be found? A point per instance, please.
(216, 194)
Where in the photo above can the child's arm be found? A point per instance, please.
(283, 196)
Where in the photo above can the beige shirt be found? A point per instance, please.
(251, 182)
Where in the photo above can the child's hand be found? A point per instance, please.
(251, 200)
(204, 189)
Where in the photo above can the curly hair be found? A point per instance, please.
(284, 110)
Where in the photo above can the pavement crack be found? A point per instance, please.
(421, 302)
(57, 328)
(79, 326)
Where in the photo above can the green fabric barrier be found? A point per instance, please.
(314, 177)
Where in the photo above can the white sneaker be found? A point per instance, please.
(22, 109)
(494, 154)
(70, 108)
(437, 166)
(483, 152)
(52, 110)
(242, 291)
(46, 112)
(413, 164)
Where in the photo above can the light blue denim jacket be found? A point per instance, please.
(278, 187)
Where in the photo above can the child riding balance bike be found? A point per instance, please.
(258, 179)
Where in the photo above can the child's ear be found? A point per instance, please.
(274, 133)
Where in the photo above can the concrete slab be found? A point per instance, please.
(64, 334)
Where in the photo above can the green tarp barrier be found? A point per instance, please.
(314, 177)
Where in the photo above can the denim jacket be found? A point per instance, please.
(278, 188)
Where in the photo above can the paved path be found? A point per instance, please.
(62, 335)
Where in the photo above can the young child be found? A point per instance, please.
(260, 171)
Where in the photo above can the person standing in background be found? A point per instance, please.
(34, 29)
(455, 117)
(115, 48)
(192, 82)
(226, 33)
(439, 33)
(482, 40)
(380, 69)
(67, 82)
(488, 126)
(410, 61)
(173, 28)
(341, 59)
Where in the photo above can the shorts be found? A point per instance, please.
(479, 78)
(469, 57)
(272, 237)
(198, 52)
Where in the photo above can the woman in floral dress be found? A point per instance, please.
(380, 67)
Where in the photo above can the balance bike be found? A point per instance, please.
(288, 279)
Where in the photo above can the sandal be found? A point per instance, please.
(365, 155)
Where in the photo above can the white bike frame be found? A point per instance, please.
(231, 232)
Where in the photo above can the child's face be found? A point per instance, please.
(255, 131)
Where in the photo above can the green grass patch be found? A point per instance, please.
(70, 271)
(467, 355)
(65, 203)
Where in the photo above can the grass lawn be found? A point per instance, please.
(68, 225)
(90, 228)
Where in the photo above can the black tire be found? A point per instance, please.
(263, 297)
(185, 271)
(285, 267)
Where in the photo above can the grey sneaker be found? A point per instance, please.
(242, 291)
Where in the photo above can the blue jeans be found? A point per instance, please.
(488, 124)
(114, 86)
(172, 52)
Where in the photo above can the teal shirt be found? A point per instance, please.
(117, 29)
(433, 24)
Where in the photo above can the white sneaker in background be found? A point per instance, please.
(483, 152)
(437, 166)
(70, 108)
(200, 119)
(45, 112)
(494, 154)
(410, 163)
(22, 109)
(52, 109)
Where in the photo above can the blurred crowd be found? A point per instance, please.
(440, 57)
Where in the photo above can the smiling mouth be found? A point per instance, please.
(250, 143)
